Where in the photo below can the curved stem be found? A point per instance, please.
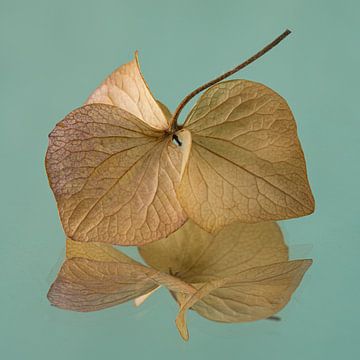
(182, 104)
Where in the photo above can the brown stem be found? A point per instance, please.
(182, 104)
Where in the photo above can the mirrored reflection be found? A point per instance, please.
(240, 274)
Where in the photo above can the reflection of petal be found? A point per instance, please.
(197, 256)
(89, 285)
(140, 300)
(242, 273)
(96, 276)
(254, 294)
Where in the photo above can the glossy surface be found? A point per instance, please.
(53, 54)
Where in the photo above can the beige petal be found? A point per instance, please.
(141, 299)
(254, 294)
(114, 177)
(246, 162)
(88, 285)
(242, 272)
(126, 88)
(97, 276)
(196, 256)
(165, 110)
(96, 251)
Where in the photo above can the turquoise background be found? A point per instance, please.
(54, 53)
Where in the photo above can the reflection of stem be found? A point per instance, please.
(275, 318)
(174, 124)
(186, 302)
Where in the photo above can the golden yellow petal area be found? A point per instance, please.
(95, 251)
(241, 273)
(114, 177)
(89, 285)
(96, 276)
(246, 161)
(126, 88)
(254, 294)
(197, 256)
(165, 110)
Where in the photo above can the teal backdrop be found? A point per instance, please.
(54, 53)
